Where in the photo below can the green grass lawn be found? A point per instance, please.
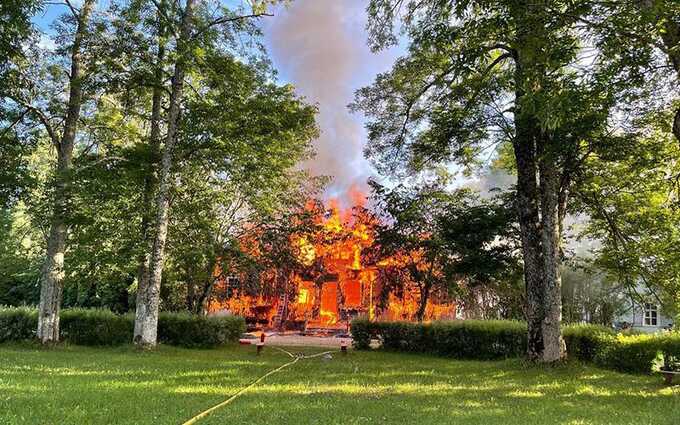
(78, 385)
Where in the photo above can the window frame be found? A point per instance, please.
(650, 315)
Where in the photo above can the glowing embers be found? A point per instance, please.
(328, 313)
(333, 281)
(306, 251)
(304, 296)
(352, 291)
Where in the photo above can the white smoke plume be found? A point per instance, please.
(320, 47)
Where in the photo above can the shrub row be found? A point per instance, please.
(17, 323)
(634, 353)
(103, 327)
(83, 326)
(495, 339)
(189, 330)
(464, 339)
(585, 341)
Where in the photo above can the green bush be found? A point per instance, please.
(497, 339)
(465, 339)
(584, 341)
(103, 327)
(670, 348)
(402, 336)
(633, 354)
(18, 323)
(362, 332)
(477, 339)
(95, 327)
(188, 330)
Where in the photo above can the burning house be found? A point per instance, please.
(337, 281)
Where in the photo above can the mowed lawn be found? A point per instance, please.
(78, 385)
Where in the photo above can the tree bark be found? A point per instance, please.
(538, 188)
(147, 323)
(150, 179)
(201, 302)
(554, 348)
(424, 297)
(530, 232)
(52, 273)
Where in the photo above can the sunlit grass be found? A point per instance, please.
(77, 385)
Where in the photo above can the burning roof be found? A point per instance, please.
(336, 279)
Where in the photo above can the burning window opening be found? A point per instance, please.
(335, 283)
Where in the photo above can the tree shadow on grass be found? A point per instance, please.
(445, 391)
(171, 385)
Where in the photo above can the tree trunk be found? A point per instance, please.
(146, 323)
(424, 297)
(671, 39)
(150, 178)
(201, 302)
(553, 345)
(191, 297)
(528, 215)
(537, 204)
(52, 276)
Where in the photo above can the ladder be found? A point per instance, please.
(278, 318)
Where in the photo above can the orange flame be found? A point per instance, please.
(347, 286)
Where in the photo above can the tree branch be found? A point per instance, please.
(74, 11)
(15, 122)
(170, 22)
(224, 19)
(42, 118)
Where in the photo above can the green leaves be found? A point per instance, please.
(629, 194)
(456, 240)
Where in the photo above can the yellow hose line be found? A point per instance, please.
(257, 381)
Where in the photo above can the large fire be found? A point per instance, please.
(339, 282)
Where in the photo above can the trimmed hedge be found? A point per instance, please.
(497, 339)
(18, 323)
(82, 326)
(188, 330)
(584, 341)
(103, 327)
(362, 331)
(670, 347)
(625, 352)
(464, 339)
(479, 339)
(634, 354)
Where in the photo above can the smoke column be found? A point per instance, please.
(320, 47)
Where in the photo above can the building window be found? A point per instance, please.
(651, 317)
(233, 284)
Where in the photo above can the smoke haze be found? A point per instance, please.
(320, 47)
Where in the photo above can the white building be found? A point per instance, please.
(644, 316)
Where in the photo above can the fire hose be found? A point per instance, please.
(296, 358)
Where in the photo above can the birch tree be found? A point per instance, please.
(53, 269)
(59, 116)
(191, 30)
